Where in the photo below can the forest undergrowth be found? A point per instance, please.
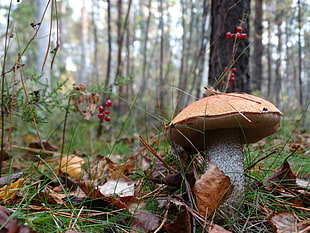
(69, 179)
(83, 159)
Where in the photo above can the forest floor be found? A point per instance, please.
(134, 183)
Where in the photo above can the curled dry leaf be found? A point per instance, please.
(78, 98)
(9, 192)
(82, 98)
(92, 100)
(284, 176)
(182, 223)
(287, 222)
(71, 165)
(211, 190)
(11, 225)
(144, 221)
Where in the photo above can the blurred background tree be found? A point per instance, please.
(166, 51)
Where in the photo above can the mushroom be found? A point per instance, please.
(220, 124)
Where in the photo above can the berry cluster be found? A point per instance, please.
(238, 34)
(230, 76)
(104, 113)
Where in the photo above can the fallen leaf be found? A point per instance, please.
(182, 223)
(284, 176)
(144, 221)
(11, 225)
(120, 187)
(8, 192)
(286, 222)
(92, 100)
(175, 180)
(91, 190)
(216, 228)
(211, 190)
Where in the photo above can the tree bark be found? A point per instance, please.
(202, 52)
(226, 15)
(161, 56)
(257, 73)
(269, 60)
(144, 52)
(84, 43)
(95, 71)
(43, 35)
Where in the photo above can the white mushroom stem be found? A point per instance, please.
(225, 150)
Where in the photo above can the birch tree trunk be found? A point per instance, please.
(84, 42)
(42, 38)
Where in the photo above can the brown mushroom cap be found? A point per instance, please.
(256, 117)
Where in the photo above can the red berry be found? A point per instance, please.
(239, 29)
(243, 36)
(234, 70)
(232, 75)
(238, 35)
(107, 112)
(101, 109)
(223, 83)
(228, 35)
(232, 79)
(100, 115)
(108, 103)
(107, 119)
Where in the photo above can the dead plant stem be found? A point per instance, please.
(2, 86)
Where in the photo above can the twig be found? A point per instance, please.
(257, 161)
(150, 149)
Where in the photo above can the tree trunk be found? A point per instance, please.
(279, 67)
(269, 60)
(95, 71)
(145, 74)
(161, 56)
(43, 35)
(108, 74)
(84, 42)
(257, 73)
(226, 15)
(301, 102)
(202, 52)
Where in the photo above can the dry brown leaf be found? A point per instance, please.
(216, 228)
(182, 223)
(11, 225)
(284, 176)
(211, 190)
(8, 192)
(91, 190)
(92, 100)
(287, 222)
(82, 98)
(144, 221)
(78, 99)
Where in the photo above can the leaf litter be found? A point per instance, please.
(111, 189)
